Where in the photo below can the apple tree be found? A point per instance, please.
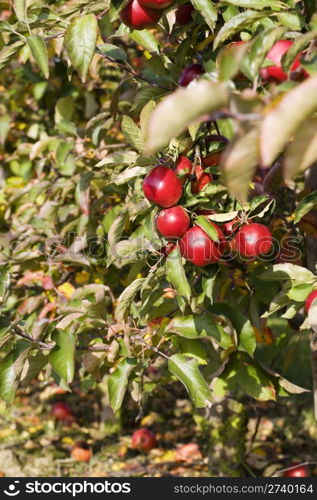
(157, 199)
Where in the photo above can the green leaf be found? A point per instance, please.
(39, 52)
(132, 133)
(129, 174)
(242, 325)
(116, 53)
(223, 217)
(306, 205)
(256, 4)
(194, 326)
(287, 271)
(300, 292)
(5, 280)
(117, 229)
(239, 162)
(207, 10)
(146, 39)
(207, 227)
(229, 60)
(302, 151)
(188, 373)
(284, 120)
(62, 356)
(5, 123)
(254, 382)
(235, 24)
(176, 111)
(80, 42)
(10, 370)
(118, 382)
(127, 297)
(20, 7)
(9, 52)
(175, 274)
(192, 348)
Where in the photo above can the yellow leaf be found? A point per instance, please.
(82, 277)
(66, 289)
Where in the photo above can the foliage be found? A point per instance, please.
(89, 108)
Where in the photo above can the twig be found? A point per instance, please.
(48, 347)
(131, 71)
(155, 349)
(57, 35)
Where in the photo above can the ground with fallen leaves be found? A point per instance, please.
(32, 443)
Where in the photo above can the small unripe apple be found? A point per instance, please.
(300, 471)
(162, 186)
(61, 411)
(198, 248)
(81, 452)
(275, 54)
(253, 240)
(143, 440)
(183, 14)
(156, 4)
(202, 179)
(138, 17)
(311, 297)
(173, 222)
(190, 73)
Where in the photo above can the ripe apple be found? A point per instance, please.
(300, 471)
(212, 159)
(230, 227)
(202, 179)
(138, 17)
(162, 186)
(275, 54)
(190, 73)
(173, 222)
(311, 297)
(253, 240)
(143, 440)
(198, 248)
(167, 249)
(61, 411)
(183, 14)
(183, 167)
(81, 452)
(156, 4)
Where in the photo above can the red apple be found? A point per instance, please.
(300, 471)
(183, 167)
(311, 297)
(198, 248)
(190, 73)
(168, 248)
(138, 17)
(162, 186)
(212, 159)
(61, 411)
(156, 4)
(81, 452)
(202, 179)
(173, 222)
(230, 227)
(275, 54)
(143, 440)
(253, 240)
(184, 14)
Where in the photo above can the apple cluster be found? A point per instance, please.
(141, 14)
(163, 186)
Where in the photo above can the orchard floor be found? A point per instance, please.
(32, 443)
